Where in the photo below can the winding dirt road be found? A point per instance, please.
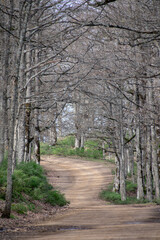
(88, 217)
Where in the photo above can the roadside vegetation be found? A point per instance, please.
(65, 147)
(115, 198)
(29, 184)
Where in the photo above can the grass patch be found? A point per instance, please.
(19, 208)
(115, 198)
(131, 187)
(55, 198)
(29, 183)
(12, 216)
(110, 160)
(23, 207)
(65, 147)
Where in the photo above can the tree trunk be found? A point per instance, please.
(36, 126)
(13, 113)
(77, 141)
(20, 143)
(149, 165)
(53, 135)
(116, 186)
(155, 162)
(27, 156)
(4, 75)
(28, 106)
(103, 150)
(122, 160)
(82, 140)
(140, 190)
(36, 113)
(7, 210)
(131, 156)
(1, 100)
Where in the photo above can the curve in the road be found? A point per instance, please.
(88, 217)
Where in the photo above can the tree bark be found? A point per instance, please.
(122, 160)
(149, 165)
(116, 186)
(13, 111)
(7, 210)
(155, 162)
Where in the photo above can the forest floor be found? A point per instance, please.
(87, 217)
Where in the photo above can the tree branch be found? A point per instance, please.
(98, 4)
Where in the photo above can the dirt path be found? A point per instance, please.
(89, 218)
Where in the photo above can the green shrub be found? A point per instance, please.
(131, 187)
(3, 173)
(19, 184)
(33, 182)
(3, 178)
(67, 141)
(31, 169)
(29, 183)
(115, 198)
(110, 196)
(37, 194)
(2, 192)
(45, 149)
(3, 164)
(19, 208)
(55, 198)
(31, 207)
(45, 186)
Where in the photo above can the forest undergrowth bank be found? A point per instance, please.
(32, 194)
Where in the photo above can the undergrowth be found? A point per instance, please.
(65, 147)
(115, 198)
(29, 184)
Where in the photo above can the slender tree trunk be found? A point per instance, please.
(155, 162)
(116, 186)
(82, 140)
(4, 75)
(128, 165)
(149, 165)
(1, 97)
(28, 106)
(1, 123)
(7, 210)
(140, 190)
(27, 132)
(53, 134)
(60, 133)
(77, 126)
(36, 111)
(36, 125)
(154, 143)
(103, 150)
(20, 138)
(122, 160)
(77, 141)
(131, 156)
